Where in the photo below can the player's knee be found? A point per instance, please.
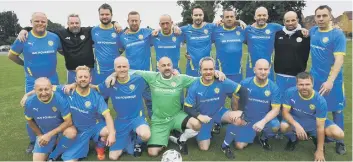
(114, 155)
(196, 125)
(145, 136)
(338, 134)
(335, 132)
(204, 147)
(240, 145)
(284, 127)
(153, 152)
(39, 157)
(275, 129)
(70, 132)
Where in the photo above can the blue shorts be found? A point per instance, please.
(190, 72)
(206, 128)
(235, 77)
(284, 82)
(312, 130)
(250, 72)
(100, 78)
(336, 100)
(54, 79)
(47, 148)
(247, 134)
(80, 146)
(123, 129)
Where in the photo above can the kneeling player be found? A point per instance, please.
(86, 104)
(49, 117)
(126, 96)
(262, 107)
(205, 99)
(305, 112)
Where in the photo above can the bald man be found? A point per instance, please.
(167, 114)
(291, 52)
(39, 57)
(261, 110)
(127, 99)
(48, 115)
(166, 43)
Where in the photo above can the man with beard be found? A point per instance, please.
(105, 41)
(167, 115)
(76, 44)
(291, 52)
(305, 113)
(48, 115)
(328, 48)
(86, 104)
(39, 58)
(261, 110)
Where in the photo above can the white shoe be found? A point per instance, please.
(173, 139)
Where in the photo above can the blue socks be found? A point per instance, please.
(31, 134)
(339, 120)
(229, 135)
(61, 147)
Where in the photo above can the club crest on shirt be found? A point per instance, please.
(237, 32)
(267, 93)
(173, 84)
(299, 39)
(54, 109)
(141, 36)
(87, 104)
(113, 35)
(132, 87)
(325, 39)
(82, 37)
(312, 107)
(50, 43)
(216, 90)
(174, 39)
(267, 31)
(205, 31)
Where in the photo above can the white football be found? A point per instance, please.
(171, 156)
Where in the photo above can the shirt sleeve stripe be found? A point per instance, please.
(13, 52)
(28, 118)
(237, 90)
(97, 87)
(66, 116)
(276, 106)
(105, 111)
(235, 96)
(286, 106)
(188, 105)
(339, 53)
(321, 119)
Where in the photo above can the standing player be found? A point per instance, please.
(198, 40)
(229, 40)
(167, 43)
(328, 48)
(39, 58)
(126, 96)
(86, 107)
(48, 115)
(262, 108)
(105, 44)
(260, 39)
(291, 52)
(76, 44)
(305, 112)
(167, 113)
(205, 101)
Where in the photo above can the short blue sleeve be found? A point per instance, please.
(190, 99)
(17, 47)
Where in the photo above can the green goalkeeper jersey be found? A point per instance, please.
(166, 92)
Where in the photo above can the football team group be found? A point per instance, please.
(277, 97)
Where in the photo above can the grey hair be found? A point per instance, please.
(207, 59)
(73, 15)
